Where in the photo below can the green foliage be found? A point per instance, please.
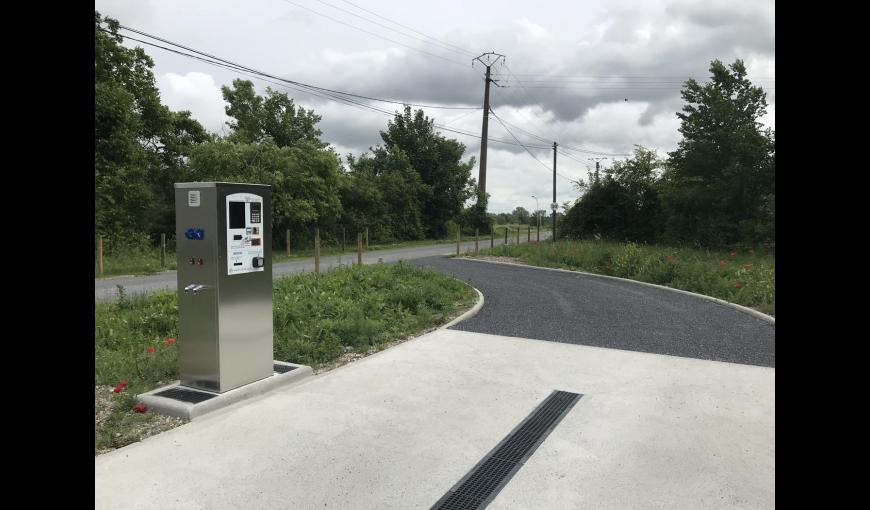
(745, 277)
(521, 216)
(318, 317)
(621, 205)
(720, 182)
(438, 160)
(274, 117)
(139, 144)
(315, 318)
(304, 179)
(385, 193)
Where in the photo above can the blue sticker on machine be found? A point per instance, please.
(194, 234)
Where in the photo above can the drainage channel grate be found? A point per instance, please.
(282, 369)
(481, 485)
(185, 395)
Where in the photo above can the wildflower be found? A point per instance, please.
(737, 285)
(722, 263)
(139, 408)
(150, 348)
(670, 258)
(169, 341)
(733, 253)
(120, 386)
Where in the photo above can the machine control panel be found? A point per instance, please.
(245, 250)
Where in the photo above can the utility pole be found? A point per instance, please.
(596, 160)
(554, 191)
(487, 59)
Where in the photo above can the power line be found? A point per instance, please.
(240, 66)
(374, 34)
(461, 52)
(527, 149)
(320, 92)
(409, 28)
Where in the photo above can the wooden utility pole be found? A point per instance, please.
(476, 240)
(367, 238)
(487, 59)
(358, 249)
(554, 191)
(288, 242)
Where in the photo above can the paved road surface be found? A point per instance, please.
(555, 306)
(105, 289)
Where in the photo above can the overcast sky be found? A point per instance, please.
(596, 75)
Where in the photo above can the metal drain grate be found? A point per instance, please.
(185, 395)
(282, 369)
(481, 485)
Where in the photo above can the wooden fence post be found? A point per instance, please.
(358, 249)
(162, 250)
(476, 240)
(367, 238)
(288, 242)
(458, 238)
(317, 250)
(100, 253)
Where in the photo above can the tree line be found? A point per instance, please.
(717, 189)
(414, 185)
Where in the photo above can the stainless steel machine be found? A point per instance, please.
(224, 249)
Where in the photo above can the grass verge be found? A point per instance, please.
(318, 320)
(744, 277)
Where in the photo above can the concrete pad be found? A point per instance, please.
(399, 428)
(190, 410)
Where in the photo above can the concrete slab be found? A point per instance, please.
(399, 428)
(190, 410)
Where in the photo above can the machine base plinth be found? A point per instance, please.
(189, 403)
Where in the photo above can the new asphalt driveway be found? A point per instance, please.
(579, 309)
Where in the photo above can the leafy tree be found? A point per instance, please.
(438, 160)
(521, 215)
(274, 116)
(621, 205)
(720, 182)
(385, 193)
(140, 146)
(305, 179)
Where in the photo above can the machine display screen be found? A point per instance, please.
(237, 215)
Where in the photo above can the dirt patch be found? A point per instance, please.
(117, 425)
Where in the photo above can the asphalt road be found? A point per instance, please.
(105, 289)
(578, 309)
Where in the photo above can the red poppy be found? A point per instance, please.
(169, 341)
(737, 285)
(139, 408)
(120, 386)
(670, 258)
(722, 263)
(150, 348)
(733, 253)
